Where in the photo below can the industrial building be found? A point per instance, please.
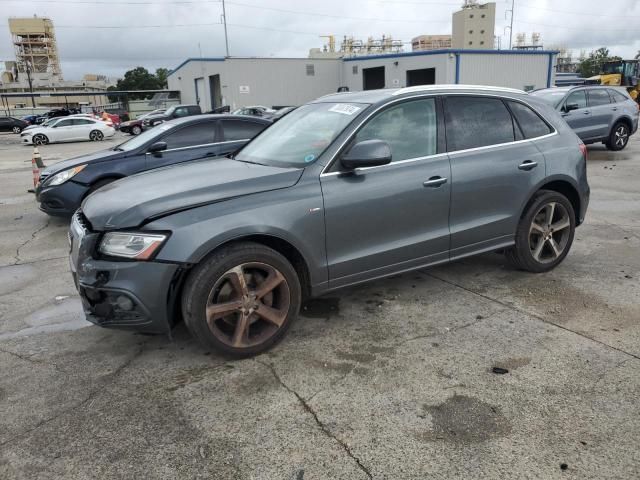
(473, 27)
(430, 42)
(238, 82)
(37, 69)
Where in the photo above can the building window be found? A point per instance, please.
(482, 42)
(482, 16)
(481, 31)
(310, 70)
(471, 16)
(470, 43)
(470, 32)
(355, 69)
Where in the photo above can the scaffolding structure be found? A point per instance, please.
(35, 45)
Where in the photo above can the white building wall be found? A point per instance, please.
(279, 82)
(263, 81)
(506, 70)
(396, 75)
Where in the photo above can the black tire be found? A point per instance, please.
(536, 249)
(136, 130)
(209, 280)
(40, 139)
(16, 129)
(96, 136)
(619, 137)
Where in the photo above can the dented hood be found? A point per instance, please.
(135, 200)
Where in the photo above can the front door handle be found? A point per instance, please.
(435, 182)
(528, 165)
(586, 112)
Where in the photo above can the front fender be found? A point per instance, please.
(292, 214)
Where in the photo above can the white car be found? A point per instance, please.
(67, 129)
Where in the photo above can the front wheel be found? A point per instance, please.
(242, 299)
(136, 130)
(40, 139)
(96, 136)
(16, 129)
(619, 137)
(545, 233)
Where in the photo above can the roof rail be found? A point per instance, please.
(427, 88)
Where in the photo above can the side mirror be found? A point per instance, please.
(157, 147)
(570, 106)
(368, 153)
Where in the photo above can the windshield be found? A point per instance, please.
(50, 122)
(143, 138)
(612, 67)
(300, 137)
(552, 96)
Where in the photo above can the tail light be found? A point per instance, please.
(583, 149)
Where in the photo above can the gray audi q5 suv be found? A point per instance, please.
(348, 188)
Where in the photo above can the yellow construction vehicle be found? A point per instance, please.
(620, 73)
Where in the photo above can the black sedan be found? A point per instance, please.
(64, 185)
(10, 124)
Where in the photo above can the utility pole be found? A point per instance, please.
(28, 69)
(511, 26)
(224, 20)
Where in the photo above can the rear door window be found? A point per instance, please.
(409, 128)
(530, 123)
(473, 122)
(191, 136)
(598, 97)
(578, 98)
(239, 130)
(617, 97)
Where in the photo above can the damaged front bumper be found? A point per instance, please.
(129, 295)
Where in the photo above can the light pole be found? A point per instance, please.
(224, 20)
(510, 27)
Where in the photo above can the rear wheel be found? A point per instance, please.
(136, 130)
(96, 135)
(40, 139)
(242, 299)
(545, 233)
(619, 137)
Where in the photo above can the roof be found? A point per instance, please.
(369, 57)
(374, 96)
(454, 51)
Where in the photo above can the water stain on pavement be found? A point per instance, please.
(321, 307)
(463, 419)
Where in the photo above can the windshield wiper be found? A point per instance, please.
(246, 161)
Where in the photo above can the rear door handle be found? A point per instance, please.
(528, 165)
(615, 109)
(586, 112)
(435, 182)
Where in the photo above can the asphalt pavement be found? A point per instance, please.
(468, 370)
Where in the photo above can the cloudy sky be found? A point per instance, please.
(112, 36)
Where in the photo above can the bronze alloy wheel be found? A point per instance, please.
(248, 305)
(549, 232)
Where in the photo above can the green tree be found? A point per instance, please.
(161, 75)
(592, 65)
(139, 79)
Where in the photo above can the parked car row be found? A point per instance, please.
(66, 184)
(348, 188)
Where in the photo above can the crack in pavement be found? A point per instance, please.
(321, 425)
(30, 262)
(34, 361)
(92, 395)
(530, 314)
(33, 236)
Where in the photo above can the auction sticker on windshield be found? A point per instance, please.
(344, 108)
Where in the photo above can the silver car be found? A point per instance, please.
(596, 113)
